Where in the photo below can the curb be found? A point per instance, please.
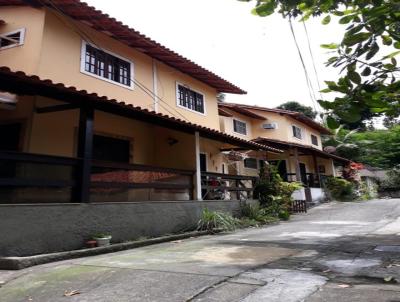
(18, 263)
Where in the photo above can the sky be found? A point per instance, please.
(257, 54)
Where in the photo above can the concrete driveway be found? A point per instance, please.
(336, 252)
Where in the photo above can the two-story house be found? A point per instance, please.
(103, 130)
(303, 158)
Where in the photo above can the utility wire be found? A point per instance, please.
(309, 84)
(84, 36)
(312, 59)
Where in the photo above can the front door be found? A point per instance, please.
(303, 173)
(281, 168)
(203, 162)
(10, 135)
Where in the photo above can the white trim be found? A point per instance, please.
(198, 171)
(82, 66)
(21, 39)
(183, 107)
(242, 121)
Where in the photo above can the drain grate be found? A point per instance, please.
(388, 248)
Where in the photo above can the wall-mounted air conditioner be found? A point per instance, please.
(8, 101)
(270, 126)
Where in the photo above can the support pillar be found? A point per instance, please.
(198, 169)
(316, 170)
(85, 153)
(297, 164)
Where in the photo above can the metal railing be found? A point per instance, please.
(217, 186)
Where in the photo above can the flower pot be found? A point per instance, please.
(103, 241)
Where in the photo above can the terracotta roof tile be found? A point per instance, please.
(100, 21)
(19, 82)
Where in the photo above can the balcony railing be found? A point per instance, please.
(217, 186)
(310, 180)
(34, 178)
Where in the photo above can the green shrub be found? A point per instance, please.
(392, 180)
(340, 189)
(275, 195)
(211, 220)
(254, 214)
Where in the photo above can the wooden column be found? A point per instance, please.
(316, 170)
(85, 153)
(297, 164)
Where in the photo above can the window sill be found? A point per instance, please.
(107, 80)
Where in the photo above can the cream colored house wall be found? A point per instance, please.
(53, 51)
(24, 58)
(227, 125)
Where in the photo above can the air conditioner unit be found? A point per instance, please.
(270, 126)
(8, 101)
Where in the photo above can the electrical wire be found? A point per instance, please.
(312, 59)
(309, 84)
(86, 37)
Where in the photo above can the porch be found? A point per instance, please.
(61, 183)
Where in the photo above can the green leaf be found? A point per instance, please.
(373, 51)
(332, 123)
(265, 9)
(351, 115)
(346, 19)
(330, 46)
(386, 40)
(326, 104)
(397, 45)
(392, 55)
(357, 38)
(326, 90)
(326, 20)
(354, 77)
(366, 72)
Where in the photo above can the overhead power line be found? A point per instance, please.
(308, 81)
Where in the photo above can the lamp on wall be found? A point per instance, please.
(8, 101)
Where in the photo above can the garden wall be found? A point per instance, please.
(45, 228)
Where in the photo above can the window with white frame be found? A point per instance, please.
(296, 132)
(250, 163)
(107, 66)
(12, 39)
(190, 99)
(314, 139)
(239, 127)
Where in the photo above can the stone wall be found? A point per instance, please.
(45, 228)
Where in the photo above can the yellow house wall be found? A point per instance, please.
(226, 123)
(24, 58)
(52, 50)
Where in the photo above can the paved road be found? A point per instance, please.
(336, 252)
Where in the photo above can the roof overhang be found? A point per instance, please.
(304, 149)
(241, 110)
(295, 115)
(102, 22)
(22, 84)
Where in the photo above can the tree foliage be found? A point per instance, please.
(297, 107)
(378, 148)
(366, 54)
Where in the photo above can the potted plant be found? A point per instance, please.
(102, 239)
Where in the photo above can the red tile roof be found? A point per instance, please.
(102, 22)
(20, 83)
(295, 115)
